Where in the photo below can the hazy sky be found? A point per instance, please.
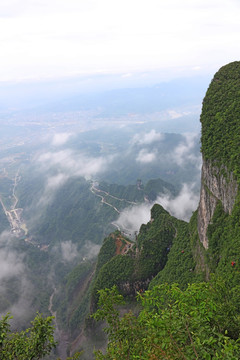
(52, 38)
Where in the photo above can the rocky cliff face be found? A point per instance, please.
(217, 184)
(220, 145)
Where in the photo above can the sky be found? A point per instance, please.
(42, 39)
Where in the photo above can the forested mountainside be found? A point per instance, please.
(200, 317)
(168, 250)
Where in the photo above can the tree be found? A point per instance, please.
(173, 324)
(31, 344)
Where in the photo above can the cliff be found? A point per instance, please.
(220, 146)
(169, 250)
(217, 184)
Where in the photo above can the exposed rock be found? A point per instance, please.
(217, 184)
(131, 288)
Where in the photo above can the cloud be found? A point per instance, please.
(53, 183)
(56, 181)
(184, 152)
(73, 164)
(127, 75)
(193, 33)
(176, 114)
(13, 277)
(57, 168)
(90, 250)
(60, 139)
(182, 205)
(131, 218)
(68, 250)
(145, 157)
(11, 262)
(147, 138)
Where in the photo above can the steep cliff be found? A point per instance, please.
(217, 184)
(220, 146)
(170, 250)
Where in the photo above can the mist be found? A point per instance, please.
(11, 262)
(184, 152)
(181, 207)
(15, 286)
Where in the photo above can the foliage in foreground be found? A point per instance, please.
(200, 322)
(31, 344)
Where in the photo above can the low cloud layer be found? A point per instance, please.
(145, 157)
(68, 250)
(131, 218)
(59, 166)
(148, 138)
(13, 277)
(53, 182)
(184, 152)
(181, 207)
(154, 146)
(11, 263)
(72, 163)
(90, 250)
(60, 139)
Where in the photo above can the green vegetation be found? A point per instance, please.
(136, 193)
(194, 320)
(200, 322)
(72, 297)
(129, 192)
(220, 119)
(80, 218)
(162, 252)
(156, 186)
(118, 271)
(154, 242)
(33, 343)
(191, 320)
(109, 248)
(223, 253)
(180, 264)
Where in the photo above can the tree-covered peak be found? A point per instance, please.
(158, 210)
(220, 118)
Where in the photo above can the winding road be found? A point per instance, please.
(97, 192)
(14, 215)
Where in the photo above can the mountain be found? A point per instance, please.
(166, 249)
(169, 250)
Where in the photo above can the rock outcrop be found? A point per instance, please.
(217, 184)
(220, 146)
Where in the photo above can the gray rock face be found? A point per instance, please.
(217, 184)
(131, 288)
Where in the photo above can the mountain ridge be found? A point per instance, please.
(210, 243)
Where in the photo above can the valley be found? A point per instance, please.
(18, 227)
(68, 179)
